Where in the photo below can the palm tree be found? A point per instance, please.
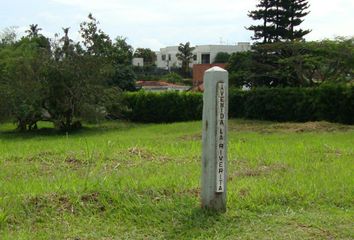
(185, 55)
(33, 30)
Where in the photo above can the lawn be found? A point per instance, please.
(133, 181)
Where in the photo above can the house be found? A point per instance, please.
(203, 54)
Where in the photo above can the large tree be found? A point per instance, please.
(279, 20)
(294, 12)
(21, 81)
(185, 55)
(147, 54)
(294, 64)
(94, 40)
(262, 13)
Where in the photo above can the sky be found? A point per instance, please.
(159, 23)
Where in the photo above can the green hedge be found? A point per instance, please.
(330, 103)
(163, 107)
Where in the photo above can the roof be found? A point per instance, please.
(160, 86)
(157, 84)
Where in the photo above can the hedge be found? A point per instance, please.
(163, 107)
(330, 103)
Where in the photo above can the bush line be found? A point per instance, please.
(329, 103)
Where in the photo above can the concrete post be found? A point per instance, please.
(214, 162)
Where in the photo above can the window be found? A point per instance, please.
(206, 58)
(163, 57)
(169, 57)
(194, 57)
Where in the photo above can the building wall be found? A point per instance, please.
(170, 59)
(139, 62)
(199, 69)
(166, 58)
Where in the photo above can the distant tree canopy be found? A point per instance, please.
(300, 64)
(147, 54)
(279, 20)
(62, 81)
(222, 57)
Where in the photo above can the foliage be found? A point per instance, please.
(121, 53)
(293, 13)
(222, 57)
(96, 42)
(173, 77)
(8, 36)
(123, 77)
(147, 54)
(241, 68)
(21, 83)
(265, 30)
(62, 81)
(33, 31)
(331, 103)
(280, 18)
(185, 55)
(163, 107)
(294, 64)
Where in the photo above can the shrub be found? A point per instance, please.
(163, 107)
(330, 103)
(172, 77)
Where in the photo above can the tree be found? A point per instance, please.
(95, 40)
(185, 55)
(74, 85)
(33, 31)
(21, 82)
(147, 54)
(240, 68)
(294, 12)
(115, 58)
(122, 76)
(8, 36)
(222, 57)
(294, 64)
(279, 20)
(263, 13)
(121, 52)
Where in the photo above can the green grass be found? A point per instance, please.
(131, 181)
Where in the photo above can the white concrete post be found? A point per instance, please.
(215, 117)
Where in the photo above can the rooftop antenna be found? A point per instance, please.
(220, 40)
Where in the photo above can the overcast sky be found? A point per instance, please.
(159, 23)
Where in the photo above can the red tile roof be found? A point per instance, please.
(156, 84)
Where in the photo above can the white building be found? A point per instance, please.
(138, 62)
(203, 54)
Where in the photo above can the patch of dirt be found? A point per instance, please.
(270, 127)
(316, 232)
(90, 197)
(141, 153)
(73, 161)
(64, 203)
(157, 195)
(244, 192)
(262, 170)
(60, 202)
(145, 154)
(45, 156)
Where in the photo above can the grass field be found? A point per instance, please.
(131, 181)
